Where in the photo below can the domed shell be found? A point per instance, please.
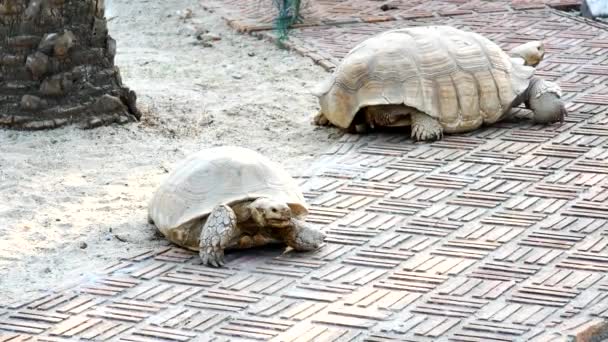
(460, 78)
(220, 175)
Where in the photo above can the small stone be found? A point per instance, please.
(47, 270)
(12, 60)
(51, 87)
(199, 32)
(388, 7)
(250, 54)
(83, 245)
(208, 37)
(33, 10)
(237, 76)
(108, 104)
(31, 102)
(67, 82)
(47, 43)
(100, 31)
(188, 14)
(38, 64)
(111, 46)
(95, 122)
(60, 122)
(63, 44)
(35, 125)
(25, 41)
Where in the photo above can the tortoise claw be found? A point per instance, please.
(204, 258)
(213, 257)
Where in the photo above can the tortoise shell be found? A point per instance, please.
(460, 78)
(220, 175)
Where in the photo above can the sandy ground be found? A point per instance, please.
(72, 201)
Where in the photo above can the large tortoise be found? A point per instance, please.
(438, 79)
(231, 197)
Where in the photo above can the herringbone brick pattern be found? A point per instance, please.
(496, 235)
(256, 15)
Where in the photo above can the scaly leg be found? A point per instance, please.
(217, 232)
(425, 128)
(302, 236)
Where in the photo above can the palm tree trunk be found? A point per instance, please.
(57, 66)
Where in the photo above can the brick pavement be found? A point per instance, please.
(496, 235)
(256, 15)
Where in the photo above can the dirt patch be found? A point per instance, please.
(72, 201)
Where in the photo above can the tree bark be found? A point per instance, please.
(57, 66)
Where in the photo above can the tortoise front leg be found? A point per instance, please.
(425, 128)
(302, 236)
(216, 234)
(544, 99)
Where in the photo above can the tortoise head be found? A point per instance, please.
(267, 212)
(531, 52)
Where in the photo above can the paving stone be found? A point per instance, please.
(499, 234)
(254, 15)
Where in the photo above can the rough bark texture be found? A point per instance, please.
(57, 66)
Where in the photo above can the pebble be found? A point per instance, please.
(208, 37)
(83, 245)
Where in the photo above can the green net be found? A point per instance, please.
(288, 14)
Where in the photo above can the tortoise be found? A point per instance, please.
(438, 79)
(231, 197)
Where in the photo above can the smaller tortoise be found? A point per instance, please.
(231, 197)
(436, 79)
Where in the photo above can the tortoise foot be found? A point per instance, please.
(320, 120)
(425, 128)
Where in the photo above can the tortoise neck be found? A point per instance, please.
(242, 210)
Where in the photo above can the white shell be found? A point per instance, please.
(460, 78)
(220, 175)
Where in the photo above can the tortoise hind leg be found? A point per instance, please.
(320, 120)
(217, 233)
(425, 128)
